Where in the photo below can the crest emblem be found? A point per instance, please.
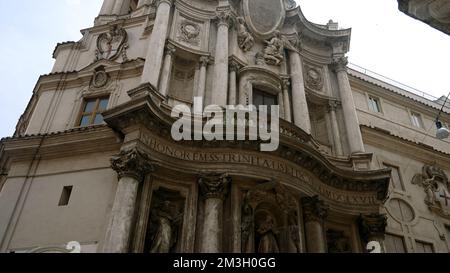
(264, 17)
(111, 44)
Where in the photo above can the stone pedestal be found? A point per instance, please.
(155, 51)
(373, 229)
(214, 189)
(299, 103)
(131, 166)
(167, 70)
(220, 87)
(348, 107)
(315, 212)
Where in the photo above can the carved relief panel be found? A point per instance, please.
(190, 31)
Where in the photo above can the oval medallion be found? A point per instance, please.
(264, 16)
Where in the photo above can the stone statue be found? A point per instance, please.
(430, 187)
(268, 242)
(166, 221)
(245, 39)
(273, 53)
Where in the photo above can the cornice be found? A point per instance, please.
(62, 144)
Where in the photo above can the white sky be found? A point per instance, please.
(384, 40)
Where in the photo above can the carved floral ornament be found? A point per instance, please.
(214, 185)
(112, 44)
(437, 188)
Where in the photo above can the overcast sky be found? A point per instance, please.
(384, 40)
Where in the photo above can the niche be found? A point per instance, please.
(182, 81)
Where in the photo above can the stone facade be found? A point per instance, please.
(356, 161)
(435, 13)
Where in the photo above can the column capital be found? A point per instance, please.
(214, 185)
(333, 105)
(204, 61)
(286, 82)
(372, 225)
(224, 17)
(340, 63)
(234, 66)
(314, 209)
(132, 163)
(169, 50)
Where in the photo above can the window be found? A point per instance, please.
(396, 179)
(374, 105)
(263, 98)
(395, 244)
(422, 247)
(416, 120)
(65, 196)
(92, 111)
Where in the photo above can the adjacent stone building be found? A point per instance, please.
(93, 159)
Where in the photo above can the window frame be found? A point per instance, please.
(95, 110)
(420, 119)
(416, 242)
(377, 101)
(265, 95)
(403, 238)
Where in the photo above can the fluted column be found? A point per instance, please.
(287, 100)
(373, 229)
(315, 212)
(220, 88)
(348, 107)
(232, 97)
(299, 103)
(155, 51)
(167, 70)
(131, 166)
(214, 189)
(107, 7)
(332, 107)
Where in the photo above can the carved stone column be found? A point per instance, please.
(214, 189)
(372, 228)
(232, 97)
(121, 7)
(155, 51)
(167, 70)
(132, 166)
(315, 211)
(332, 107)
(204, 61)
(287, 100)
(220, 88)
(348, 106)
(299, 103)
(107, 7)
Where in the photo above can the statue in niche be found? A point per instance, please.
(268, 241)
(165, 221)
(273, 52)
(245, 39)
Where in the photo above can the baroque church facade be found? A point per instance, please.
(93, 160)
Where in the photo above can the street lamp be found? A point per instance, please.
(442, 132)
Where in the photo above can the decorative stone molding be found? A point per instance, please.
(314, 209)
(333, 105)
(132, 163)
(159, 2)
(214, 185)
(273, 53)
(112, 44)
(234, 66)
(372, 226)
(100, 79)
(170, 50)
(204, 61)
(290, 4)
